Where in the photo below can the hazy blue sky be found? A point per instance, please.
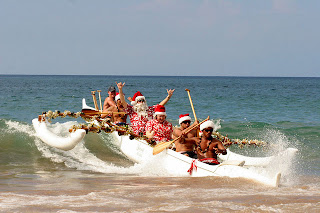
(160, 37)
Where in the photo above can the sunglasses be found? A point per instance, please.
(208, 130)
(140, 101)
(186, 122)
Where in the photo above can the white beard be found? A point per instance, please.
(141, 109)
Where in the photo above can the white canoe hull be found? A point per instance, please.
(53, 140)
(139, 151)
(258, 161)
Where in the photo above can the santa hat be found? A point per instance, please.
(117, 97)
(184, 117)
(136, 97)
(160, 110)
(207, 124)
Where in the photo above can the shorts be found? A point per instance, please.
(190, 154)
(210, 161)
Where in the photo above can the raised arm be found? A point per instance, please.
(122, 99)
(170, 93)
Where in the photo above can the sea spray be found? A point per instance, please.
(278, 142)
(217, 124)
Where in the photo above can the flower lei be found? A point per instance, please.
(241, 143)
(52, 115)
(106, 126)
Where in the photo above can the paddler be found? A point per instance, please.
(116, 118)
(159, 129)
(110, 100)
(140, 113)
(207, 146)
(187, 143)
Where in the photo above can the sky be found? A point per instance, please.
(277, 38)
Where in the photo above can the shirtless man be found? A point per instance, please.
(186, 144)
(109, 101)
(207, 146)
(118, 119)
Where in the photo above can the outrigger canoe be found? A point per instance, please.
(139, 151)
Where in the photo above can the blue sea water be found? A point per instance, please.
(247, 106)
(264, 99)
(282, 111)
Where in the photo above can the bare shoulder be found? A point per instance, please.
(105, 101)
(215, 142)
(111, 102)
(108, 99)
(177, 131)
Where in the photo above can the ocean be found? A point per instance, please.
(96, 177)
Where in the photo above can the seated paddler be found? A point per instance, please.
(207, 146)
(118, 115)
(186, 144)
(110, 100)
(159, 129)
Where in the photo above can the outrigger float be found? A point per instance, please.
(139, 150)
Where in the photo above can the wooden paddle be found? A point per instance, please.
(93, 93)
(194, 113)
(99, 91)
(163, 145)
(90, 112)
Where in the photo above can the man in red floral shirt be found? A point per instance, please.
(140, 113)
(159, 128)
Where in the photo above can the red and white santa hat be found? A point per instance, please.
(136, 97)
(207, 124)
(184, 117)
(117, 97)
(160, 110)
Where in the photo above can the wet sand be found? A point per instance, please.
(78, 191)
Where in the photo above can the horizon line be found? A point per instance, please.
(244, 76)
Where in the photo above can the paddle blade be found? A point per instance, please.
(161, 146)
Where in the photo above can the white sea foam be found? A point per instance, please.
(15, 126)
(217, 124)
(82, 159)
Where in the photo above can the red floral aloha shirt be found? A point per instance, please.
(138, 123)
(162, 131)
